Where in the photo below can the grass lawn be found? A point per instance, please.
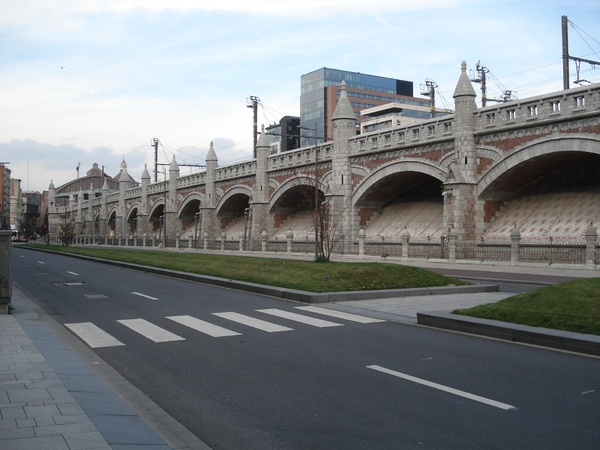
(572, 306)
(302, 275)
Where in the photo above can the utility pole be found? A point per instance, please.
(566, 57)
(154, 143)
(253, 102)
(565, 51)
(429, 90)
(479, 76)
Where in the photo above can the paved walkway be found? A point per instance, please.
(55, 393)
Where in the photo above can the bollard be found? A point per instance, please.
(263, 237)
(290, 237)
(362, 236)
(5, 270)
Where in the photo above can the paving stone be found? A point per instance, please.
(14, 412)
(64, 429)
(45, 421)
(7, 424)
(72, 418)
(15, 433)
(80, 441)
(23, 423)
(36, 443)
(23, 396)
(70, 408)
(42, 411)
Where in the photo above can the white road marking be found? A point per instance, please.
(41, 262)
(144, 295)
(300, 318)
(92, 335)
(450, 390)
(73, 273)
(588, 392)
(339, 314)
(150, 331)
(252, 322)
(203, 327)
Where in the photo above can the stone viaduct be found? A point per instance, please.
(533, 164)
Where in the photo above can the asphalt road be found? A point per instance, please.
(339, 385)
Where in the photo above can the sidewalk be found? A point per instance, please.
(50, 399)
(55, 393)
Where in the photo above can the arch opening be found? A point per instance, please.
(294, 210)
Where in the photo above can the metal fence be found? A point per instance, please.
(548, 252)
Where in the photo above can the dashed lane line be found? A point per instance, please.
(441, 387)
(144, 295)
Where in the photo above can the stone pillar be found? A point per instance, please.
(289, 238)
(177, 239)
(242, 240)
(405, 238)
(223, 239)
(515, 241)
(171, 225)
(144, 240)
(143, 224)
(205, 240)
(339, 190)
(452, 238)
(209, 220)
(590, 242)
(263, 237)
(121, 216)
(5, 270)
(362, 237)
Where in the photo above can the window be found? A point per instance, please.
(491, 118)
(580, 101)
(533, 110)
(556, 106)
(512, 114)
(415, 134)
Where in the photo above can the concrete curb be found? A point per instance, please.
(292, 294)
(562, 340)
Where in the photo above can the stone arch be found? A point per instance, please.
(194, 196)
(188, 215)
(417, 166)
(301, 180)
(543, 147)
(230, 193)
(230, 210)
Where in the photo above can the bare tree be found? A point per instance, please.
(66, 232)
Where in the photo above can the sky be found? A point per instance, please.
(94, 81)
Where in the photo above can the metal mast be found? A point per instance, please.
(253, 102)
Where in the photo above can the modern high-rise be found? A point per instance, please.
(320, 91)
(4, 197)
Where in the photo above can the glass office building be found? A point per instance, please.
(320, 91)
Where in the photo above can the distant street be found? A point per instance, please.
(245, 371)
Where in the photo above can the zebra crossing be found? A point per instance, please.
(95, 337)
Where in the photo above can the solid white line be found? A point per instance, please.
(464, 394)
(339, 314)
(150, 330)
(41, 262)
(92, 335)
(73, 273)
(203, 327)
(252, 322)
(300, 318)
(144, 295)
